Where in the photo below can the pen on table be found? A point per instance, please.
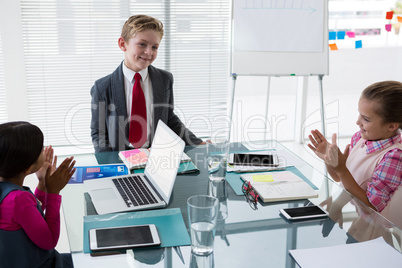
(178, 251)
(268, 182)
(277, 182)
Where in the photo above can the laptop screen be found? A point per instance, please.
(164, 160)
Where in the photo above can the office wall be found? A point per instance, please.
(350, 71)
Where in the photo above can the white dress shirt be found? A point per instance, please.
(146, 86)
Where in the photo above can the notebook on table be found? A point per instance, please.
(280, 186)
(137, 158)
(140, 191)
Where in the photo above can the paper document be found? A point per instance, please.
(278, 186)
(374, 253)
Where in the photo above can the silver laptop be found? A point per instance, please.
(151, 189)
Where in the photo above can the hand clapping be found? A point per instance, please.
(50, 161)
(55, 181)
(334, 157)
(319, 145)
(330, 153)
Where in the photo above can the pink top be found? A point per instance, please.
(18, 210)
(377, 167)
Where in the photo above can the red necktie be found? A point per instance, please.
(138, 121)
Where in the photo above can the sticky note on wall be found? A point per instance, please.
(388, 27)
(358, 44)
(332, 35)
(333, 47)
(389, 15)
(340, 35)
(350, 34)
(399, 18)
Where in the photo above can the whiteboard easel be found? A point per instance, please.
(280, 38)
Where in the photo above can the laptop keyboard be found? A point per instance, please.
(134, 191)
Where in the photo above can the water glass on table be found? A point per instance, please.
(218, 189)
(202, 216)
(202, 261)
(217, 155)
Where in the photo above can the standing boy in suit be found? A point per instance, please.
(127, 104)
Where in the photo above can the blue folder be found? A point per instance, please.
(97, 172)
(169, 222)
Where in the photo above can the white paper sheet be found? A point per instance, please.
(374, 253)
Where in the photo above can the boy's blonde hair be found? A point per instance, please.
(140, 23)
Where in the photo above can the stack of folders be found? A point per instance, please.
(137, 159)
(280, 186)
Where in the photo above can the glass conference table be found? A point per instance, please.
(249, 236)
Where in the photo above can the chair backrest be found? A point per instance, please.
(393, 210)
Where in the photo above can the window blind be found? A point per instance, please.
(3, 102)
(68, 44)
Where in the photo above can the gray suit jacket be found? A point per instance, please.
(109, 122)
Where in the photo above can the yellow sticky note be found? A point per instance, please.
(263, 178)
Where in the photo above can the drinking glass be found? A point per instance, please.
(198, 261)
(202, 215)
(218, 189)
(217, 155)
